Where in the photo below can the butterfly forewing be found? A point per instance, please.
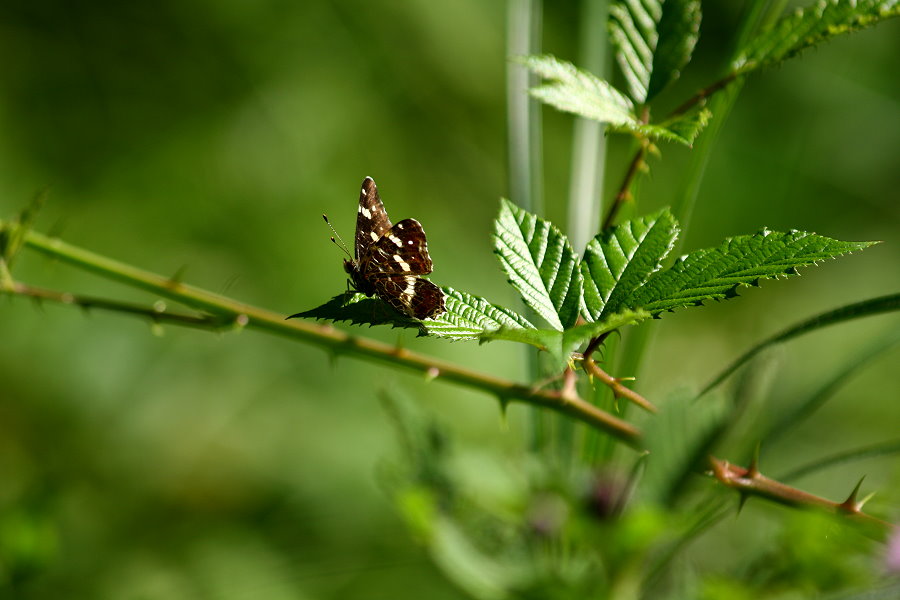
(372, 221)
(402, 250)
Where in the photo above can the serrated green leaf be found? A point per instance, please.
(621, 259)
(466, 317)
(581, 93)
(685, 128)
(360, 309)
(715, 273)
(677, 440)
(560, 344)
(679, 28)
(654, 40)
(809, 26)
(540, 264)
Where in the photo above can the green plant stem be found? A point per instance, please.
(624, 193)
(227, 311)
(158, 313)
(749, 481)
(618, 390)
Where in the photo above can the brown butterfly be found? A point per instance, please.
(390, 259)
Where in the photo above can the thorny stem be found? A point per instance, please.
(618, 390)
(703, 94)
(227, 312)
(624, 193)
(158, 313)
(749, 481)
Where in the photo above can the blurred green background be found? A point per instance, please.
(213, 135)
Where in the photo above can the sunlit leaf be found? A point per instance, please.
(715, 273)
(654, 40)
(540, 264)
(621, 259)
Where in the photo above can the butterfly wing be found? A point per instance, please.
(394, 263)
(411, 295)
(402, 250)
(371, 219)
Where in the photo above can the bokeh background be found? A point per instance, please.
(211, 136)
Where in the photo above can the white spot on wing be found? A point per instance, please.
(374, 236)
(396, 240)
(410, 287)
(365, 211)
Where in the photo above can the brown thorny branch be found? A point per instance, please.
(217, 312)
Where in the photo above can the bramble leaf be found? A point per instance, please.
(809, 26)
(715, 273)
(540, 264)
(687, 126)
(360, 309)
(621, 259)
(466, 317)
(579, 92)
(654, 40)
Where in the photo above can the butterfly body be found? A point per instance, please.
(390, 259)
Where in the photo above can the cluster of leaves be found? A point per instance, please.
(619, 280)
(654, 41)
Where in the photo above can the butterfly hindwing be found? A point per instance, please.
(411, 295)
(372, 221)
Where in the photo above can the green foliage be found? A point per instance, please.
(618, 261)
(579, 92)
(540, 264)
(654, 41)
(617, 283)
(467, 317)
(715, 273)
(811, 26)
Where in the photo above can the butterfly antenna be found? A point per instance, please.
(342, 245)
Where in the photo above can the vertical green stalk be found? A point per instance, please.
(586, 177)
(588, 141)
(524, 25)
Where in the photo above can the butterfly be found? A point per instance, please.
(390, 259)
